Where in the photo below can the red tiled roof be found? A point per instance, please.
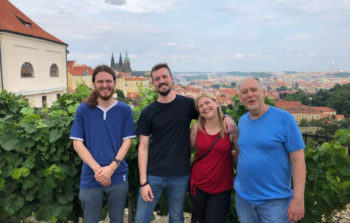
(121, 74)
(324, 109)
(288, 104)
(132, 95)
(136, 79)
(70, 63)
(229, 91)
(324, 115)
(339, 117)
(12, 20)
(80, 70)
(297, 107)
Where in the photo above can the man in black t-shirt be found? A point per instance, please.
(164, 149)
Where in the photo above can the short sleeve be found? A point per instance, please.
(294, 138)
(143, 127)
(129, 130)
(77, 131)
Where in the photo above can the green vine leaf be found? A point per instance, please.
(27, 110)
(20, 172)
(54, 135)
(14, 203)
(2, 184)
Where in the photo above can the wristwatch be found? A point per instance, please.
(118, 162)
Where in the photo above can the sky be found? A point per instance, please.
(201, 35)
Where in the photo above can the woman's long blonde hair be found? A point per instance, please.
(201, 120)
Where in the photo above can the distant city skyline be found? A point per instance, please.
(201, 35)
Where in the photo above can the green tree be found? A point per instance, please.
(121, 97)
(283, 88)
(40, 171)
(337, 98)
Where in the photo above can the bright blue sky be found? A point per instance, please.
(201, 35)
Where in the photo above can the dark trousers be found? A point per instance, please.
(209, 208)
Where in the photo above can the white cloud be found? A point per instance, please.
(280, 33)
(312, 54)
(268, 56)
(295, 54)
(173, 44)
(238, 56)
(241, 55)
(190, 45)
(301, 36)
(251, 55)
(299, 53)
(116, 2)
(151, 6)
(89, 56)
(168, 44)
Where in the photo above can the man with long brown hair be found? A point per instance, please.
(101, 134)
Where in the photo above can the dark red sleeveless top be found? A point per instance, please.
(214, 173)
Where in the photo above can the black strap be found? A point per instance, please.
(212, 146)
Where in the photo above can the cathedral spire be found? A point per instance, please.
(120, 61)
(126, 67)
(112, 62)
(126, 56)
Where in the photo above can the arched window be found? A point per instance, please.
(54, 70)
(27, 70)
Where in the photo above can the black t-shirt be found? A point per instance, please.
(168, 126)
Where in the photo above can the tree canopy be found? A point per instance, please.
(337, 98)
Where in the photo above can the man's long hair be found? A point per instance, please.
(92, 99)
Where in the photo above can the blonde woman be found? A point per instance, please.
(212, 176)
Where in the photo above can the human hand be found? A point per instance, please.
(296, 209)
(234, 154)
(229, 125)
(103, 175)
(146, 193)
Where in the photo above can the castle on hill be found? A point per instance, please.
(120, 66)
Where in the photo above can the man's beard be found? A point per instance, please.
(164, 93)
(104, 97)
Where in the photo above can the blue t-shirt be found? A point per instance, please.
(102, 132)
(264, 168)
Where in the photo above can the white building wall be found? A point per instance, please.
(16, 50)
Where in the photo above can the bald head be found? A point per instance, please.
(251, 95)
(250, 79)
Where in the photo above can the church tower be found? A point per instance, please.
(120, 65)
(112, 62)
(126, 67)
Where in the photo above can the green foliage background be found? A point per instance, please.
(337, 98)
(40, 171)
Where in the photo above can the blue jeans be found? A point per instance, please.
(92, 202)
(274, 211)
(177, 189)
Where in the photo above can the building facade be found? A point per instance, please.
(32, 61)
(79, 74)
(120, 66)
(308, 113)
